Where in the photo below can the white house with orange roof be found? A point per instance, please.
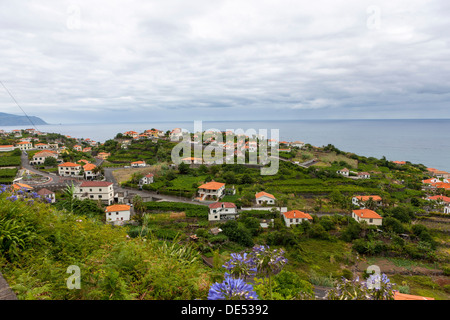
(89, 173)
(131, 133)
(118, 214)
(445, 201)
(367, 215)
(6, 148)
(211, 191)
(77, 147)
(69, 169)
(103, 155)
(138, 164)
(264, 198)
(294, 217)
(361, 200)
(24, 145)
(41, 146)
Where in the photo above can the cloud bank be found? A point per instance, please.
(107, 61)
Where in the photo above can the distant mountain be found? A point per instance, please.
(7, 119)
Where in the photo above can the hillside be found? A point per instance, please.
(7, 119)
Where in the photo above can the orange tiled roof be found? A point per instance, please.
(212, 185)
(442, 198)
(89, 167)
(118, 207)
(404, 296)
(296, 214)
(366, 198)
(69, 164)
(262, 194)
(367, 214)
(18, 186)
(442, 185)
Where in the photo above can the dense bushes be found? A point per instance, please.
(112, 265)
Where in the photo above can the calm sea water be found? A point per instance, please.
(419, 141)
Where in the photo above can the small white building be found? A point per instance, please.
(222, 211)
(345, 172)
(294, 217)
(369, 216)
(147, 179)
(264, 198)
(363, 175)
(138, 164)
(118, 214)
(96, 190)
(47, 194)
(41, 146)
(298, 144)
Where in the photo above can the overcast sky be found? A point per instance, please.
(117, 61)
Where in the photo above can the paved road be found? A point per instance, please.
(144, 193)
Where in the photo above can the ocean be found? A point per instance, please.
(424, 141)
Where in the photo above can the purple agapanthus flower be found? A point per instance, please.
(268, 261)
(12, 198)
(35, 195)
(241, 265)
(232, 289)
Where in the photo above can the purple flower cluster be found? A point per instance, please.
(260, 261)
(22, 194)
(241, 265)
(232, 289)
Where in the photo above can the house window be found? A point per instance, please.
(370, 220)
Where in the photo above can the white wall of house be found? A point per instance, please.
(118, 217)
(208, 192)
(145, 180)
(374, 222)
(104, 194)
(69, 171)
(265, 199)
(217, 214)
(294, 221)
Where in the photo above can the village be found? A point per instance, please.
(50, 164)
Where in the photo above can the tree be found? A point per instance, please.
(50, 162)
(183, 168)
(138, 205)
